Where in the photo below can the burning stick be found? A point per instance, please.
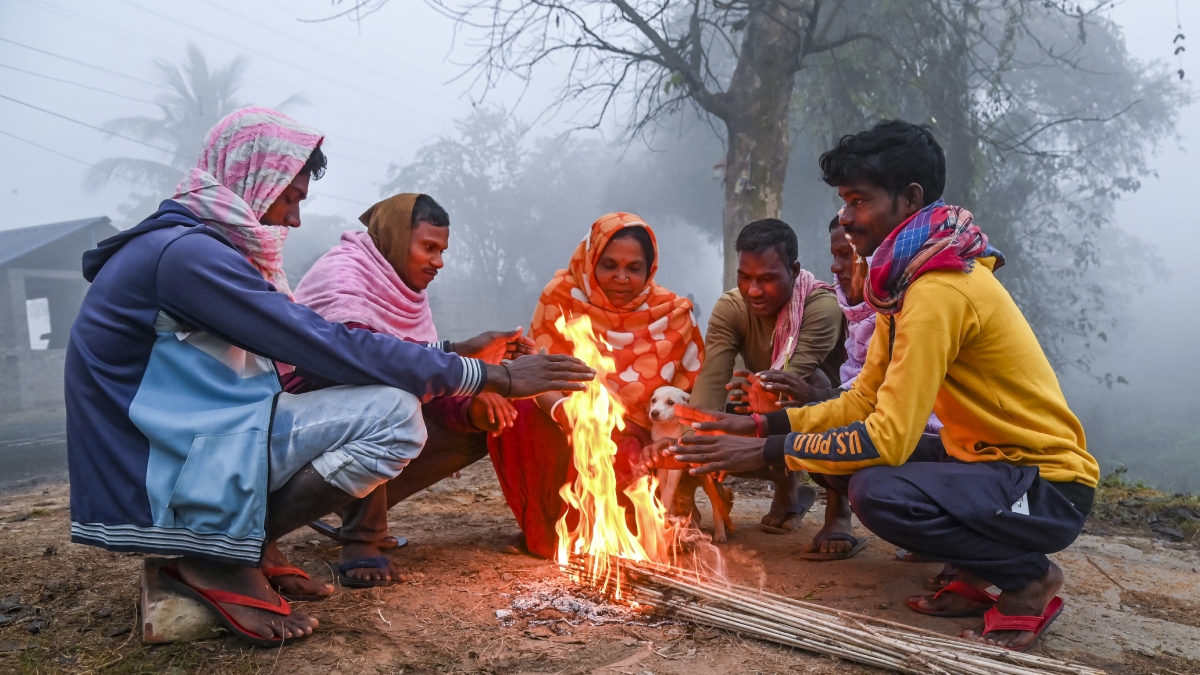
(854, 637)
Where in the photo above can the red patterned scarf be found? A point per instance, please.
(938, 237)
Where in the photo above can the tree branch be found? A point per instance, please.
(671, 59)
(829, 45)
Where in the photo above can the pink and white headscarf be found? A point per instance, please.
(248, 160)
(787, 326)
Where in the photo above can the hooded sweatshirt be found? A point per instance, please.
(170, 387)
(962, 349)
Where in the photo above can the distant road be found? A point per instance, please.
(32, 451)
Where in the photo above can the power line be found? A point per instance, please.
(76, 159)
(351, 158)
(92, 126)
(340, 199)
(87, 20)
(342, 82)
(134, 180)
(368, 67)
(82, 63)
(76, 84)
(150, 145)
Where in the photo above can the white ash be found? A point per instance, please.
(577, 604)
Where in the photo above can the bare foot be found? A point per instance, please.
(290, 584)
(837, 521)
(250, 582)
(948, 574)
(1029, 601)
(791, 501)
(353, 550)
(952, 604)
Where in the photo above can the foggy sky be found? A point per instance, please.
(382, 88)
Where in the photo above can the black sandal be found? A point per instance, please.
(856, 545)
(379, 562)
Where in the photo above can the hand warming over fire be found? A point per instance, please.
(654, 456)
(710, 454)
(491, 412)
(538, 373)
(752, 394)
(495, 346)
(708, 422)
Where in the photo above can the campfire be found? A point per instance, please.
(602, 534)
(634, 553)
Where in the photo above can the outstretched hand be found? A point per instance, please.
(491, 412)
(712, 454)
(537, 374)
(786, 386)
(709, 422)
(751, 394)
(496, 346)
(654, 456)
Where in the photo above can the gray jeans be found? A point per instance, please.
(447, 451)
(357, 437)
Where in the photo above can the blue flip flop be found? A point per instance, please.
(379, 562)
(335, 533)
(856, 545)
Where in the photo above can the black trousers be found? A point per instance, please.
(446, 451)
(929, 449)
(961, 513)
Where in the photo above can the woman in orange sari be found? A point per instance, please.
(655, 342)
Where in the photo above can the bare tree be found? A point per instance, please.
(1046, 120)
(734, 60)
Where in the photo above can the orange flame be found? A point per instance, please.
(602, 532)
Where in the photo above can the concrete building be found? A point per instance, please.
(41, 289)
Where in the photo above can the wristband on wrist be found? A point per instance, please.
(507, 374)
(760, 425)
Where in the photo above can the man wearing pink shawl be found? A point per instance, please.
(377, 280)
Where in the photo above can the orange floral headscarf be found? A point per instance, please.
(655, 339)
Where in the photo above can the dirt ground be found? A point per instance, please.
(1133, 602)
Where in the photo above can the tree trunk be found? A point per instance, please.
(952, 104)
(760, 102)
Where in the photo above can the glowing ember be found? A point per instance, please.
(602, 532)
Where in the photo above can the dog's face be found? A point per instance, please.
(662, 403)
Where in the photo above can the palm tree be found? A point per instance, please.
(196, 98)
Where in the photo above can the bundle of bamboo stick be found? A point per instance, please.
(815, 628)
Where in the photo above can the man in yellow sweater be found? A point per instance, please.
(1017, 481)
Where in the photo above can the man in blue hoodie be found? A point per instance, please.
(179, 439)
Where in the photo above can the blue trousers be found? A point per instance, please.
(962, 513)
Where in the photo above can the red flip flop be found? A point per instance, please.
(993, 621)
(271, 573)
(985, 600)
(211, 598)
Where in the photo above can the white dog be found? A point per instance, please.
(677, 489)
(662, 412)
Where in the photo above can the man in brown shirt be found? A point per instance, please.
(743, 324)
